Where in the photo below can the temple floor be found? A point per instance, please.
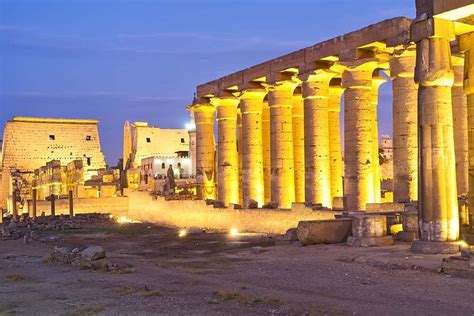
(213, 273)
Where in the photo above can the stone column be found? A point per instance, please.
(239, 153)
(318, 167)
(227, 156)
(335, 149)
(358, 125)
(205, 156)
(267, 160)
(405, 126)
(466, 44)
(377, 81)
(251, 106)
(280, 100)
(438, 204)
(298, 145)
(461, 143)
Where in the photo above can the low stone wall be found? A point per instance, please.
(117, 206)
(197, 214)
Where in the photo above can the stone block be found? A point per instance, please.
(410, 221)
(435, 247)
(93, 253)
(406, 236)
(457, 264)
(370, 241)
(291, 235)
(369, 226)
(324, 232)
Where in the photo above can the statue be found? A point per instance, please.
(171, 182)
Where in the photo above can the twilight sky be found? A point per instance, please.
(118, 60)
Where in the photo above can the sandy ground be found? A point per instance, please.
(213, 274)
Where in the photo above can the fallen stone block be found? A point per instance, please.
(370, 241)
(291, 235)
(406, 236)
(93, 253)
(457, 264)
(369, 226)
(324, 231)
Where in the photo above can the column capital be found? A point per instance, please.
(402, 63)
(458, 68)
(282, 81)
(229, 101)
(432, 28)
(466, 42)
(320, 71)
(201, 108)
(252, 91)
(358, 74)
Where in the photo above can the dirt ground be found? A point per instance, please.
(214, 274)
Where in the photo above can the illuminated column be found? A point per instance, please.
(438, 204)
(377, 81)
(205, 171)
(318, 166)
(228, 168)
(461, 143)
(335, 149)
(251, 106)
(267, 160)
(466, 44)
(280, 100)
(298, 145)
(405, 126)
(358, 125)
(239, 153)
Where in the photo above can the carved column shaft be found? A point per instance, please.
(335, 149)
(298, 147)
(318, 167)
(267, 162)
(251, 106)
(205, 171)
(358, 136)
(405, 127)
(228, 168)
(438, 204)
(280, 100)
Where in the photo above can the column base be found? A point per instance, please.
(406, 236)
(435, 247)
(370, 241)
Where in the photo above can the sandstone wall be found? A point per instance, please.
(150, 141)
(117, 206)
(197, 214)
(29, 143)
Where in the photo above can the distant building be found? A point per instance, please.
(30, 143)
(156, 168)
(386, 144)
(145, 142)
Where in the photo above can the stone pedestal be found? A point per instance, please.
(410, 227)
(228, 169)
(435, 247)
(205, 164)
(324, 232)
(251, 102)
(369, 231)
(405, 128)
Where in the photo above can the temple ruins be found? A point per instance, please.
(278, 136)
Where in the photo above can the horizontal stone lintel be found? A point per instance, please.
(393, 32)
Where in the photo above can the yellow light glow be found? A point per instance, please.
(396, 228)
(125, 220)
(182, 233)
(233, 232)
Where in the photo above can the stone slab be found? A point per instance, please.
(407, 236)
(435, 247)
(324, 232)
(370, 241)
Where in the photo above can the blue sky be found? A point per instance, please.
(119, 60)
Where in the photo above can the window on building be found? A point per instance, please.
(179, 165)
(52, 137)
(88, 137)
(88, 161)
(163, 166)
(182, 141)
(148, 140)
